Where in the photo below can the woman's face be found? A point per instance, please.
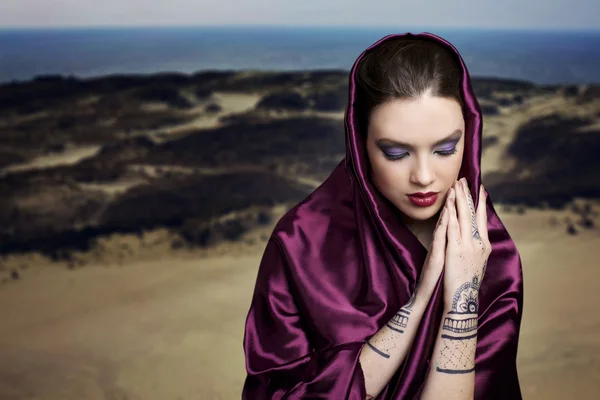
(416, 146)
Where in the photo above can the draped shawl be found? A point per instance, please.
(340, 264)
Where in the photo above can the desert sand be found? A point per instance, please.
(172, 327)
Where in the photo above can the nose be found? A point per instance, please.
(421, 173)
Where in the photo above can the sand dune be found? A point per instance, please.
(231, 103)
(559, 351)
(68, 157)
(157, 330)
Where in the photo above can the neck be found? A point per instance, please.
(422, 229)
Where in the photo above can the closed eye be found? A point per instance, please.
(395, 156)
(446, 153)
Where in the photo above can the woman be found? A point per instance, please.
(372, 288)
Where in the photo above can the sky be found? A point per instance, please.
(512, 14)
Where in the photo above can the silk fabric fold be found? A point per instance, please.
(340, 264)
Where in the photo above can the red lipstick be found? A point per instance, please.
(423, 199)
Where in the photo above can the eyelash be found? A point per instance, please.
(401, 156)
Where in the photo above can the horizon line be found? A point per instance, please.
(405, 28)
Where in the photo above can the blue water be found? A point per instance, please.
(537, 56)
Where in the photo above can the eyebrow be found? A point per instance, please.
(454, 136)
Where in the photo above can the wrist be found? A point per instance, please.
(423, 293)
(427, 282)
(462, 297)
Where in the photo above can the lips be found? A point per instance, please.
(423, 199)
(420, 194)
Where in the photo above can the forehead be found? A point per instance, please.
(419, 122)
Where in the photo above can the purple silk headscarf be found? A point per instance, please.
(340, 264)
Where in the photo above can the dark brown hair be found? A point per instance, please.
(405, 68)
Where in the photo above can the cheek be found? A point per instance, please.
(389, 176)
(451, 168)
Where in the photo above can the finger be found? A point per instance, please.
(453, 233)
(438, 247)
(463, 212)
(482, 214)
(441, 216)
(471, 204)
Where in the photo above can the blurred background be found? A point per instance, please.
(147, 149)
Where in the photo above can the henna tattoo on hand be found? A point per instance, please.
(459, 331)
(376, 350)
(460, 325)
(476, 234)
(465, 298)
(411, 301)
(399, 321)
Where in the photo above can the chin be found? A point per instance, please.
(419, 213)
